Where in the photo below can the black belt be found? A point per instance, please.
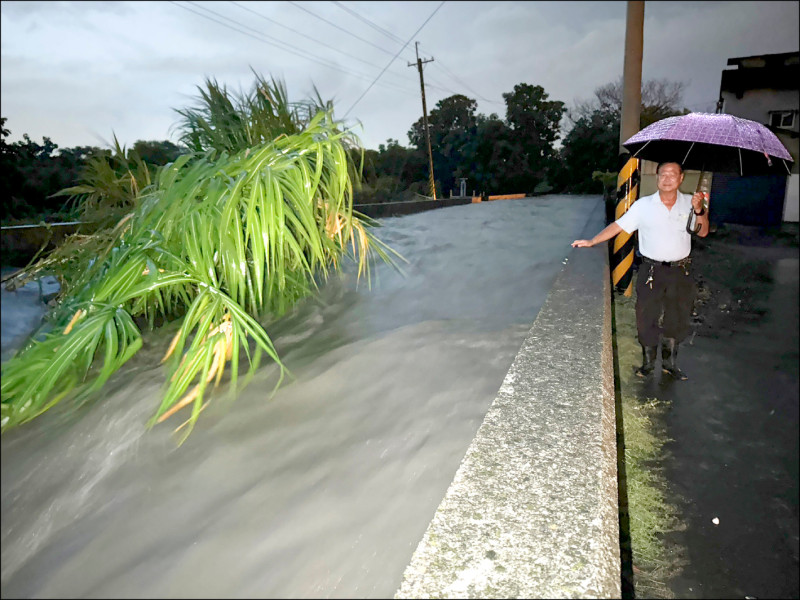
(684, 262)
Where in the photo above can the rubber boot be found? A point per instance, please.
(649, 354)
(669, 359)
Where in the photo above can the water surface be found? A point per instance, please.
(323, 490)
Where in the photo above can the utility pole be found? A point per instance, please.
(628, 177)
(632, 72)
(419, 64)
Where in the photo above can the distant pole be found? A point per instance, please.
(628, 177)
(419, 64)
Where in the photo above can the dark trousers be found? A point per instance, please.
(672, 292)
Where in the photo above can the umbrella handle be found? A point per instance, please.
(689, 229)
(704, 187)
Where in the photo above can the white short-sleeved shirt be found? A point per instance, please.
(662, 231)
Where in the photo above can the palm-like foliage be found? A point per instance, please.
(219, 239)
(231, 123)
(111, 184)
(110, 188)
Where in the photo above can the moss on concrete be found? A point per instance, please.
(649, 513)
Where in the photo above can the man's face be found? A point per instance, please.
(669, 177)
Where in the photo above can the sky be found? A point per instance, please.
(80, 72)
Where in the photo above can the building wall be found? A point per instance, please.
(756, 106)
(773, 86)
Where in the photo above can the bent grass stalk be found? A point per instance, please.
(216, 241)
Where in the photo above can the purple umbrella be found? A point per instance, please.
(712, 142)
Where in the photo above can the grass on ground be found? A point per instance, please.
(650, 515)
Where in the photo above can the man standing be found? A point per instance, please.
(664, 283)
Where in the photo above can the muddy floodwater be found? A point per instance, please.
(323, 490)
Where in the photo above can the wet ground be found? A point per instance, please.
(732, 454)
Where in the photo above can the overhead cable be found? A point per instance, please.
(394, 57)
(446, 70)
(337, 27)
(372, 24)
(455, 78)
(319, 59)
(300, 33)
(259, 36)
(283, 46)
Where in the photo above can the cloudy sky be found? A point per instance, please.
(79, 71)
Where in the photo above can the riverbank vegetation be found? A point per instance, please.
(538, 145)
(246, 213)
(244, 224)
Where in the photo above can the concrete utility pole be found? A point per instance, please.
(628, 178)
(419, 64)
(632, 72)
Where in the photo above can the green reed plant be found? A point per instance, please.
(110, 185)
(217, 240)
(230, 122)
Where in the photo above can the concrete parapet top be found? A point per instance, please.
(533, 509)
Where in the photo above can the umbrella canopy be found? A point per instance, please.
(712, 142)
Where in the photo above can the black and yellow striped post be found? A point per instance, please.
(622, 254)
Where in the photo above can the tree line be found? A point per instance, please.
(32, 174)
(517, 153)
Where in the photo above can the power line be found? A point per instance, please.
(375, 26)
(453, 75)
(260, 37)
(337, 27)
(388, 34)
(394, 57)
(385, 32)
(318, 59)
(300, 33)
(455, 78)
(372, 24)
(444, 89)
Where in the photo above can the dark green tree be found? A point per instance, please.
(534, 121)
(157, 153)
(453, 128)
(30, 173)
(592, 143)
(496, 156)
(391, 173)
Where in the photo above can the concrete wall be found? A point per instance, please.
(20, 243)
(393, 209)
(533, 509)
